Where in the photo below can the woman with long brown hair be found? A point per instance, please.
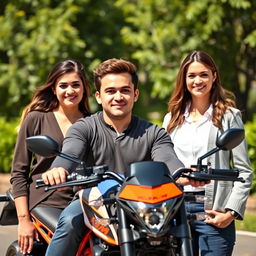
(55, 106)
(200, 109)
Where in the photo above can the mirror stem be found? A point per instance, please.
(71, 158)
(200, 159)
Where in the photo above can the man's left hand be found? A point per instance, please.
(195, 183)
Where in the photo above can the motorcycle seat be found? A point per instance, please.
(48, 216)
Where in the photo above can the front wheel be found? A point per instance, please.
(13, 250)
(39, 249)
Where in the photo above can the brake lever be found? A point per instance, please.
(88, 183)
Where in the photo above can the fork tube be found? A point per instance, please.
(186, 248)
(126, 240)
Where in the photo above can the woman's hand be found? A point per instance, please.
(26, 234)
(218, 219)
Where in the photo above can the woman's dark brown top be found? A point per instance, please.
(27, 167)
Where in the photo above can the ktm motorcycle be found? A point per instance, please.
(141, 213)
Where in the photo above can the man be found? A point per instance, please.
(113, 137)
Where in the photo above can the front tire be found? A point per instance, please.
(13, 250)
(39, 249)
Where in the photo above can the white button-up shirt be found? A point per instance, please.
(191, 140)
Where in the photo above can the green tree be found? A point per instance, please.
(250, 132)
(155, 34)
(162, 32)
(8, 133)
(37, 34)
(34, 36)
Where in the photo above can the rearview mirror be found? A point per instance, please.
(230, 139)
(43, 145)
(226, 141)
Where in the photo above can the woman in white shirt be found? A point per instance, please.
(200, 109)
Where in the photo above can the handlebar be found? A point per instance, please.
(94, 175)
(88, 177)
(70, 177)
(73, 179)
(87, 183)
(209, 174)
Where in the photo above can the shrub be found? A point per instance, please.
(248, 224)
(250, 133)
(8, 135)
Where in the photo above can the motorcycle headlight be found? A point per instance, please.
(153, 217)
(153, 206)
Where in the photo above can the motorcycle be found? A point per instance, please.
(141, 213)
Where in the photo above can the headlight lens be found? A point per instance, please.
(153, 217)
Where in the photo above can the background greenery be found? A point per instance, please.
(154, 34)
(248, 223)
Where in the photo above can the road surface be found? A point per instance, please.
(245, 245)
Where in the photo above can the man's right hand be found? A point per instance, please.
(55, 176)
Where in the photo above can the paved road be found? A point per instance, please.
(8, 234)
(245, 246)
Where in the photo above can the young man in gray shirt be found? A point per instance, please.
(113, 137)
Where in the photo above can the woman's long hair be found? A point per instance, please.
(220, 98)
(45, 100)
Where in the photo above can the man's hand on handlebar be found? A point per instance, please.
(191, 181)
(55, 176)
(195, 183)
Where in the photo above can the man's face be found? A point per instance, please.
(117, 96)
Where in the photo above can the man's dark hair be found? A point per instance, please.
(115, 66)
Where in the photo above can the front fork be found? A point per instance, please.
(126, 239)
(186, 248)
(125, 234)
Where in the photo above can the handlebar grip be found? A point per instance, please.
(224, 172)
(217, 174)
(40, 182)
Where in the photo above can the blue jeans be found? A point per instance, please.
(69, 232)
(207, 239)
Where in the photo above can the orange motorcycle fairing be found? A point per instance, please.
(150, 195)
(95, 218)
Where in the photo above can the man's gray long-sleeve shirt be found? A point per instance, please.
(96, 142)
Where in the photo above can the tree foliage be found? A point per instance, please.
(34, 35)
(162, 32)
(155, 34)
(8, 133)
(37, 34)
(250, 132)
